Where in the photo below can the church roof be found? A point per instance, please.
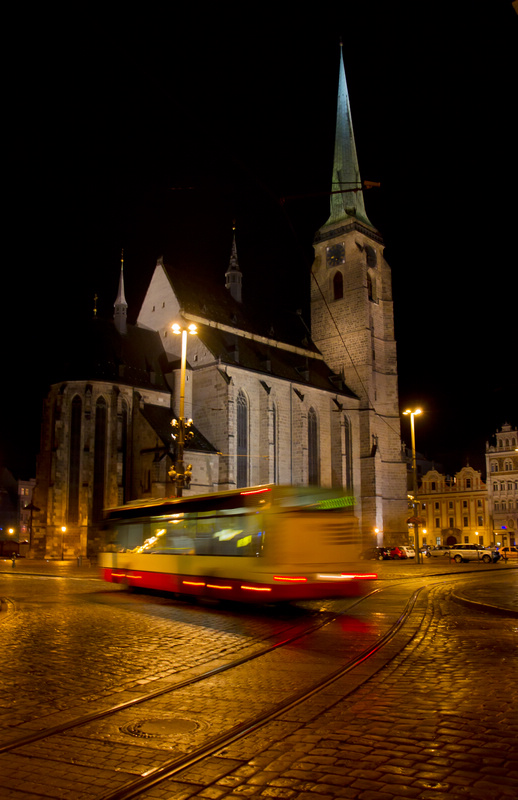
(204, 298)
(160, 420)
(234, 350)
(99, 351)
(240, 335)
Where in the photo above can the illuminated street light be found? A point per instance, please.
(178, 472)
(414, 481)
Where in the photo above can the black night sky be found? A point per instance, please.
(153, 132)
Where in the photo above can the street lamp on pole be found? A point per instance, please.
(178, 473)
(414, 481)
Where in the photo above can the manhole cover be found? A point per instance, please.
(149, 728)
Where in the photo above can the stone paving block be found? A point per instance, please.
(402, 790)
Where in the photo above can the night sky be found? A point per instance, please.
(153, 133)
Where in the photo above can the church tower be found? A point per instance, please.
(120, 312)
(233, 275)
(353, 326)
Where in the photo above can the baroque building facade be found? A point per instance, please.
(502, 481)
(270, 403)
(454, 510)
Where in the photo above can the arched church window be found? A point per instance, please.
(338, 286)
(124, 449)
(313, 461)
(274, 443)
(348, 454)
(372, 287)
(74, 460)
(242, 439)
(101, 420)
(372, 259)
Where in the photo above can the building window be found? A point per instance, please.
(451, 522)
(338, 286)
(436, 505)
(348, 454)
(480, 521)
(433, 486)
(101, 417)
(437, 522)
(274, 443)
(74, 461)
(124, 450)
(465, 522)
(242, 440)
(313, 471)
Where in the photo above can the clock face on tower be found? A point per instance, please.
(335, 255)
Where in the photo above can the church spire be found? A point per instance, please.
(233, 275)
(120, 306)
(346, 172)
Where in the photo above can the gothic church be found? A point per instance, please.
(269, 405)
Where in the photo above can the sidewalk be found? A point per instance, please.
(51, 567)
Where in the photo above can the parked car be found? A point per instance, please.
(470, 552)
(398, 552)
(508, 552)
(409, 550)
(438, 550)
(375, 553)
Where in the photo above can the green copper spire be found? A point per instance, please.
(346, 172)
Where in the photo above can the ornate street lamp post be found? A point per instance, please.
(414, 482)
(182, 427)
(63, 531)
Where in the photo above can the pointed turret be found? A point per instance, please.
(120, 306)
(346, 172)
(233, 275)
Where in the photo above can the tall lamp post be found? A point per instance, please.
(181, 426)
(414, 481)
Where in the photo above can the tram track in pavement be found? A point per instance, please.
(282, 640)
(253, 721)
(353, 670)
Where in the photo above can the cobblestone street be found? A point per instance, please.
(439, 720)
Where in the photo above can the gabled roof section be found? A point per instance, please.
(101, 352)
(160, 420)
(294, 365)
(204, 299)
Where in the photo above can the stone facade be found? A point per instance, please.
(455, 510)
(502, 483)
(352, 325)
